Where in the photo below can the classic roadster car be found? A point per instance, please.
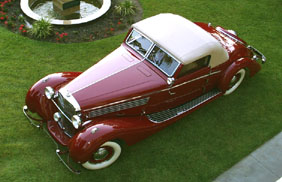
(166, 67)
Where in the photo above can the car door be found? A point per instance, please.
(190, 82)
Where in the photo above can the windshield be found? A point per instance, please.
(153, 53)
(139, 43)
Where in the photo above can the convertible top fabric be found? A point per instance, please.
(182, 38)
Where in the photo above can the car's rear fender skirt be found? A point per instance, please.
(243, 63)
(35, 98)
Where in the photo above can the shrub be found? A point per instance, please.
(125, 8)
(41, 29)
(21, 18)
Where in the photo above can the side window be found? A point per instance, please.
(163, 61)
(194, 66)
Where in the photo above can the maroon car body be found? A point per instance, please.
(127, 96)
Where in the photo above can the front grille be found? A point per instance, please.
(67, 111)
(66, 107)
(67, 126)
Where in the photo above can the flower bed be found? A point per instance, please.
(108, 25)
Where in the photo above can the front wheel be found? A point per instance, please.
(235, 81)
(105, 155)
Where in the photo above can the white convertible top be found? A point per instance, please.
(182, 38)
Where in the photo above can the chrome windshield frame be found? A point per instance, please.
(149, 52)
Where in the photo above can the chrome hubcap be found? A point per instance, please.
(101, 154)
(233, 80)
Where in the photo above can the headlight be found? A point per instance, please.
(49, 92)
(57, 116)
(76, 121)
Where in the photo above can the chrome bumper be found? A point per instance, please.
(58, 151)
(257, 54)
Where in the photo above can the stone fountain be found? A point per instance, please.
(65, 12)
(66, 7)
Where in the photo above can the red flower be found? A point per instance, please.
(6, 22)
(2, 18)
(57, 33)
(22, 25)
(119, 23)
(24, 31)
(61, 35)
(20, 28)
(66, 34)
(112, 29)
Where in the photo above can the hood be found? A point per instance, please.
(118, 76)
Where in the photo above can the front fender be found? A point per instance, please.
(83, 144)
(35, 98)
(241, 63)
(129, 130)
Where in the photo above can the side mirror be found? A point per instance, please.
(170, 81)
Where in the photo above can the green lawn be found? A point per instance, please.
(197, 148)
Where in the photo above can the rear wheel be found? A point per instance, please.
(235, 81)
(105, 155)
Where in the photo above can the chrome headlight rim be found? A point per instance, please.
(57, 116)
(76, 121)
(49, 92)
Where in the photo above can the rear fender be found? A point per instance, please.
(35, 98)
(252, 66)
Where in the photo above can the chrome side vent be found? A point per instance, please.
(118, 107)
(163, 116)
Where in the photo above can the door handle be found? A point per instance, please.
(171, 93)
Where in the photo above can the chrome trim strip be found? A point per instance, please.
(231, 37)
(151, 93)
(113, 103)
(204, 76)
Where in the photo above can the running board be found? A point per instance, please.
(163, 116)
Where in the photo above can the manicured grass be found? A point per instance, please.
(197, 148)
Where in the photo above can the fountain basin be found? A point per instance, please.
(26, 8)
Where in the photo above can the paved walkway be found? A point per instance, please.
(262, 165)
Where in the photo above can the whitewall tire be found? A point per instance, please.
(105, 155)
(235, 81)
